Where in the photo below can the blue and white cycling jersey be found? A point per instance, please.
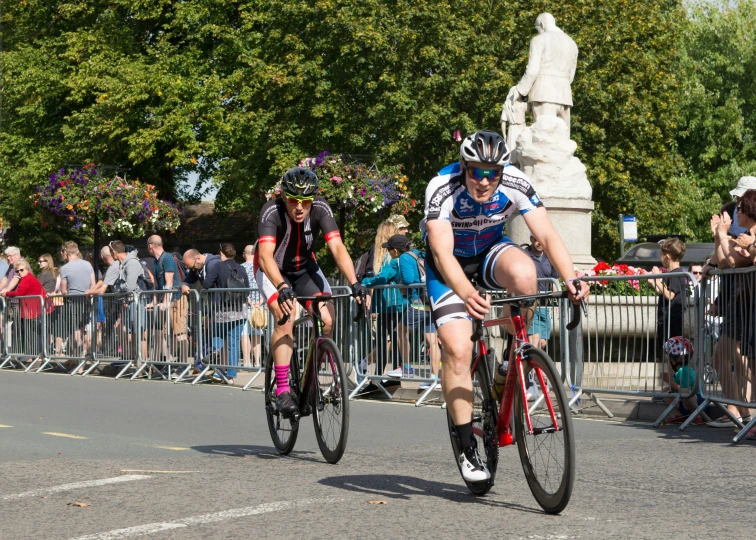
(477, 226)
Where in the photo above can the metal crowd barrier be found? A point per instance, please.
(71, 328)
(257, 339)
(623, 337)
(222, 316)
(398, 341)
(162, 327)
(115, 343)
(24, 329)
(727, 376)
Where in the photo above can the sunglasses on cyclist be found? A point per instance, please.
(478, 174)
(294, 200)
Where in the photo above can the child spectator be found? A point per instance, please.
(681, 378)
(672, 292)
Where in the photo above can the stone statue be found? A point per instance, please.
(544, 150)
(552, 61)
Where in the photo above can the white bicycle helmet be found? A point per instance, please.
(485, 147)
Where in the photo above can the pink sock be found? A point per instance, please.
(282, 379)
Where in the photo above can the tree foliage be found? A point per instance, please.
(238, 90)
(718, 107)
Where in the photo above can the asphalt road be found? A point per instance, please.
(173, 461)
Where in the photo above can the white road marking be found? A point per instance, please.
(159, 472)
(2, 426)
(176, 448)
(74, 485)
(66, 435)
(204, 519)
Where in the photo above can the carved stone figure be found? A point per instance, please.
(552, 61)
(544, 150)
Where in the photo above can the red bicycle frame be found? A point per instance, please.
(506, 403)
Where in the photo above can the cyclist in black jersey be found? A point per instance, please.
(285, 264)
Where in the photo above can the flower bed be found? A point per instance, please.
(633, 287)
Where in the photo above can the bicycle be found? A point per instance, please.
(543, 430)
(321, 388)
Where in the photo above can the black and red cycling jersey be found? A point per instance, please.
(295, 241)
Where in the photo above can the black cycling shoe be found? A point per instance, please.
(285, 403)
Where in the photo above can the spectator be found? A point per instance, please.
(730, 358)
(11, 278)
(228, 311)
(3, 264)
(251, 340)
(539, 331)
(365, 265)
(76, 278)
(48, 274)
(197, 267)
(681, 378)
(111, 274)
(672, 292)
(744, 184)
(167, 278)
(418, 313)
(388, 305)
(31, 309)
(129, 272)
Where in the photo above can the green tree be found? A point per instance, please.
(718, 101)
(240, 89)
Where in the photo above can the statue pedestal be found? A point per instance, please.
(571, 219)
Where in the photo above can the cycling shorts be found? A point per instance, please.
(445, 304)
(308, 281)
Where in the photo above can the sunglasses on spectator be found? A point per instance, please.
(479, 175)
(40, 261)
(294, 200)
(19, 270)
(697, 273)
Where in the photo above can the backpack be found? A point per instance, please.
(180, 267)
(233, 281)
(180, 273)
(421, 269)
(146, 282)
(360, 267)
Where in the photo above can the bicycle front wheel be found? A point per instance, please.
(485, 413)
(283, 428)
(330, 400)
(548, 453)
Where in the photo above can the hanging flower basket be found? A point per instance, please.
(77, 196)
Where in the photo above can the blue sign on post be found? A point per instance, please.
(629, 229)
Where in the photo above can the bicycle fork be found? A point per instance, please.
(505, 411)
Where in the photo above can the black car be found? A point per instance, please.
(648, 254)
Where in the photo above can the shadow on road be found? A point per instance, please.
(404, 487)
(694, 434)
(260, 452)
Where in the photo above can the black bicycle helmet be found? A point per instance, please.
(485, 147)
(300, 181)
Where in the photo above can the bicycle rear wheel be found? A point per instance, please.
(548, 454)
(283, 429)
(330, 400)
(485, 414)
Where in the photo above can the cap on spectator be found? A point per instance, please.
(744, 184)
(678, 346)
(399, 220)
(398, 241)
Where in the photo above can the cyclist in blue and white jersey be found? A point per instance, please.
(466, 209)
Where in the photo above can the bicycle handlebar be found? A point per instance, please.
(530, 298)
(318, 299)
